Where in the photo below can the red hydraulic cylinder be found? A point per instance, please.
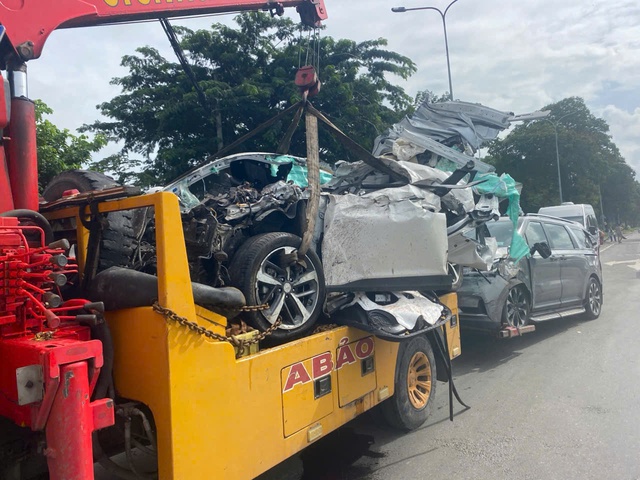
(6, 198)
(23, 160)
(71, 422)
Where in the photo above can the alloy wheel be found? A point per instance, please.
(595, 297)
(517, 307)
(291, 289)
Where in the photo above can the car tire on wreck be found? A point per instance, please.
(593, 300)
(117, 240)
(415, 386)
(263, 269)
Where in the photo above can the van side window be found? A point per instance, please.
(559, 238)
(535, 234)
(581, 237)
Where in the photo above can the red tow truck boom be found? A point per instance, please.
(29, 23)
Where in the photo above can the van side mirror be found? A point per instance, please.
(593, 230)
(542, 248)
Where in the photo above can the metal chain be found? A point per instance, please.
(254, 308)
(233, 340)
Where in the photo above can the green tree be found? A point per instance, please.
(428, 96)
(590, 162)
(247, 75)
(59, 149)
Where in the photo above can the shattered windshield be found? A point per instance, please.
(502, 231)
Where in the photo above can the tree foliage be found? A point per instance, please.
(247, 75)
(59, 149)
(590, 163)
(428, 96)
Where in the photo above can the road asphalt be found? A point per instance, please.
(562, 402)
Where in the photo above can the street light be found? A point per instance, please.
(555, 131)
(443, 15)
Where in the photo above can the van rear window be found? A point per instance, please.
(578, 219)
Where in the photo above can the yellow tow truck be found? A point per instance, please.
(207, 406)
(221, 415)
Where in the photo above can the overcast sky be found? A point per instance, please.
(511, 55)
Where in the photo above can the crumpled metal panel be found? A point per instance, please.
(384, 146)
(417, 195)
(452, 122)
(467, 252)
(375, 238)
(409, 307)
(350, 176)
(435, 127)
(457, 200)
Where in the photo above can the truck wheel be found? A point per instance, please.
(593, 301)
(118, 240)
(415, 387)
(295, 292)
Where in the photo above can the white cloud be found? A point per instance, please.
(626, 126)
(515, 56)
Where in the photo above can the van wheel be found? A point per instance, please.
(516, 308)
(415, 386)
(593, 302)
(295, 292)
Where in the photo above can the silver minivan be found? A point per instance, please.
(566, 279)
(582, 213)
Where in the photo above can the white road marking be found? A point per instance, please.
(606, 248)
(619, 262)
(628, 263)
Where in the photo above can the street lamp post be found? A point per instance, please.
(443, 15)
(555, 131)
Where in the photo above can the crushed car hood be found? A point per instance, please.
(435, 127)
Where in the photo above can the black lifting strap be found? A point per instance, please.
(443, 351)
(354, 147)
(285, 143)
(283, 147)
(96, 224)
(255, 131)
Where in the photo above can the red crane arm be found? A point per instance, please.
(28, 23)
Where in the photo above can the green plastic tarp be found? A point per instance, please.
(298, 173)
(504, 186)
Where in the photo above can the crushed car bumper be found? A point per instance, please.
(481, 300)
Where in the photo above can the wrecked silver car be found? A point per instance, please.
(562, 277)
(384, 227)
(243, 217)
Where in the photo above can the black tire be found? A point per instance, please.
(260, 268)
(593, 299)
(118, 239)
(517, 307)
(415, 386)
